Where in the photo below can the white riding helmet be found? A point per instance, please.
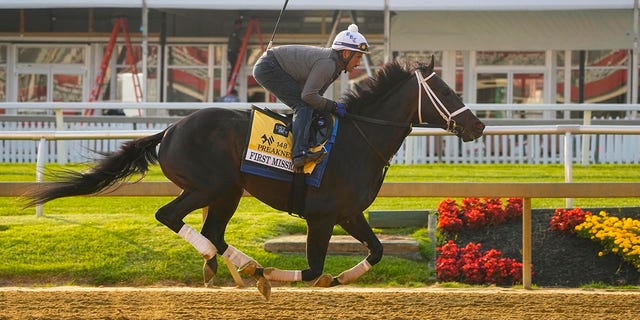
(350, 39)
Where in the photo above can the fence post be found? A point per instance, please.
(586, 138)
(526, 242)
(568, 164)
(62, 148)
(408, 150)
(432, 225)
(42, 152)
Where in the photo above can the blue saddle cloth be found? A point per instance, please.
(314, 179)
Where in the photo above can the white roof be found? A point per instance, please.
(396, 5)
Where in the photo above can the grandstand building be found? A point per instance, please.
(495, 52)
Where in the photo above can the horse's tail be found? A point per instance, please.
(133, 157)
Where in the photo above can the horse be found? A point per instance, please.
(202, 152)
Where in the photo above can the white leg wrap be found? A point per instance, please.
(354, 273)
(282, 275)
(198, 241)
(237, 257)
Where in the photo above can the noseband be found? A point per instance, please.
(437, 104)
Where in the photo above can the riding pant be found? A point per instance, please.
(270, 75)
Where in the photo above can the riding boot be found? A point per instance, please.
(301, 123)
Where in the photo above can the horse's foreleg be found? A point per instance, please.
(359, 228)
(318, 236)
(319, 230)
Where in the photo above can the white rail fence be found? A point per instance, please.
(501, 144)
(567, 131)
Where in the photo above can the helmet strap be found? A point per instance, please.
(347, 59)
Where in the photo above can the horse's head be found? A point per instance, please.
(440, 106)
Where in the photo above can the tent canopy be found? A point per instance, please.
(513, 30)
(395, 5)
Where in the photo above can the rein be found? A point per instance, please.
(387, 162)
(355, 118)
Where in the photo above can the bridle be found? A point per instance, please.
(437, 104)
(447, 116)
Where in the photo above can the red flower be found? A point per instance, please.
(513, 209)
(470, 265)
(475, 218)
(565, 221)
(476, 214)
(449, 220)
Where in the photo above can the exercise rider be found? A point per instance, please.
(299, 75)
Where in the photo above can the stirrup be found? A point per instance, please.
(309, 156)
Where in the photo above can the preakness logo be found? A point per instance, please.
(268, 139)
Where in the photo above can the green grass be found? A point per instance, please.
(117, 241)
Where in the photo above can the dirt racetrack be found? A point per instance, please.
(310, 303)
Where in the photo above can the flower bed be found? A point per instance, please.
(469, 264)
(476, 213)
(616, 235)
(559, 257)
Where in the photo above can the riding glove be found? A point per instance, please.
(340, 110)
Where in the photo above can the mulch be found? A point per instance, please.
(558, 260)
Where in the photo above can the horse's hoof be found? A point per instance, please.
(324, 281)
(264, 286)
(249, 269)
(209, 270)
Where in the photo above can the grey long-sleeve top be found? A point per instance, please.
(314, 68)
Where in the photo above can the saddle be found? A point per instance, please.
(269, 145)
(268, 151)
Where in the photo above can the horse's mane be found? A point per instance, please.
(371, 90)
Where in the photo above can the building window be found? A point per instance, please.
(509, 58)
(124, 79)
(51, 55)
(194, 74)
(3, 73)
(605, 76)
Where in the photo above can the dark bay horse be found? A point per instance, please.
(202, 152)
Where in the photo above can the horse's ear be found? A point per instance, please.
(431, 64)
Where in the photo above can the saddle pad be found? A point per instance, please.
(269, 145)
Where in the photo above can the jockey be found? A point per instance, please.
(299, 75)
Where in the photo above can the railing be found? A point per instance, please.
(568, 131)
(526, 191)
(544, 148)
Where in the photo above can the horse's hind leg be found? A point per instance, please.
(219, 212)
(172, 214)
(359, 228)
